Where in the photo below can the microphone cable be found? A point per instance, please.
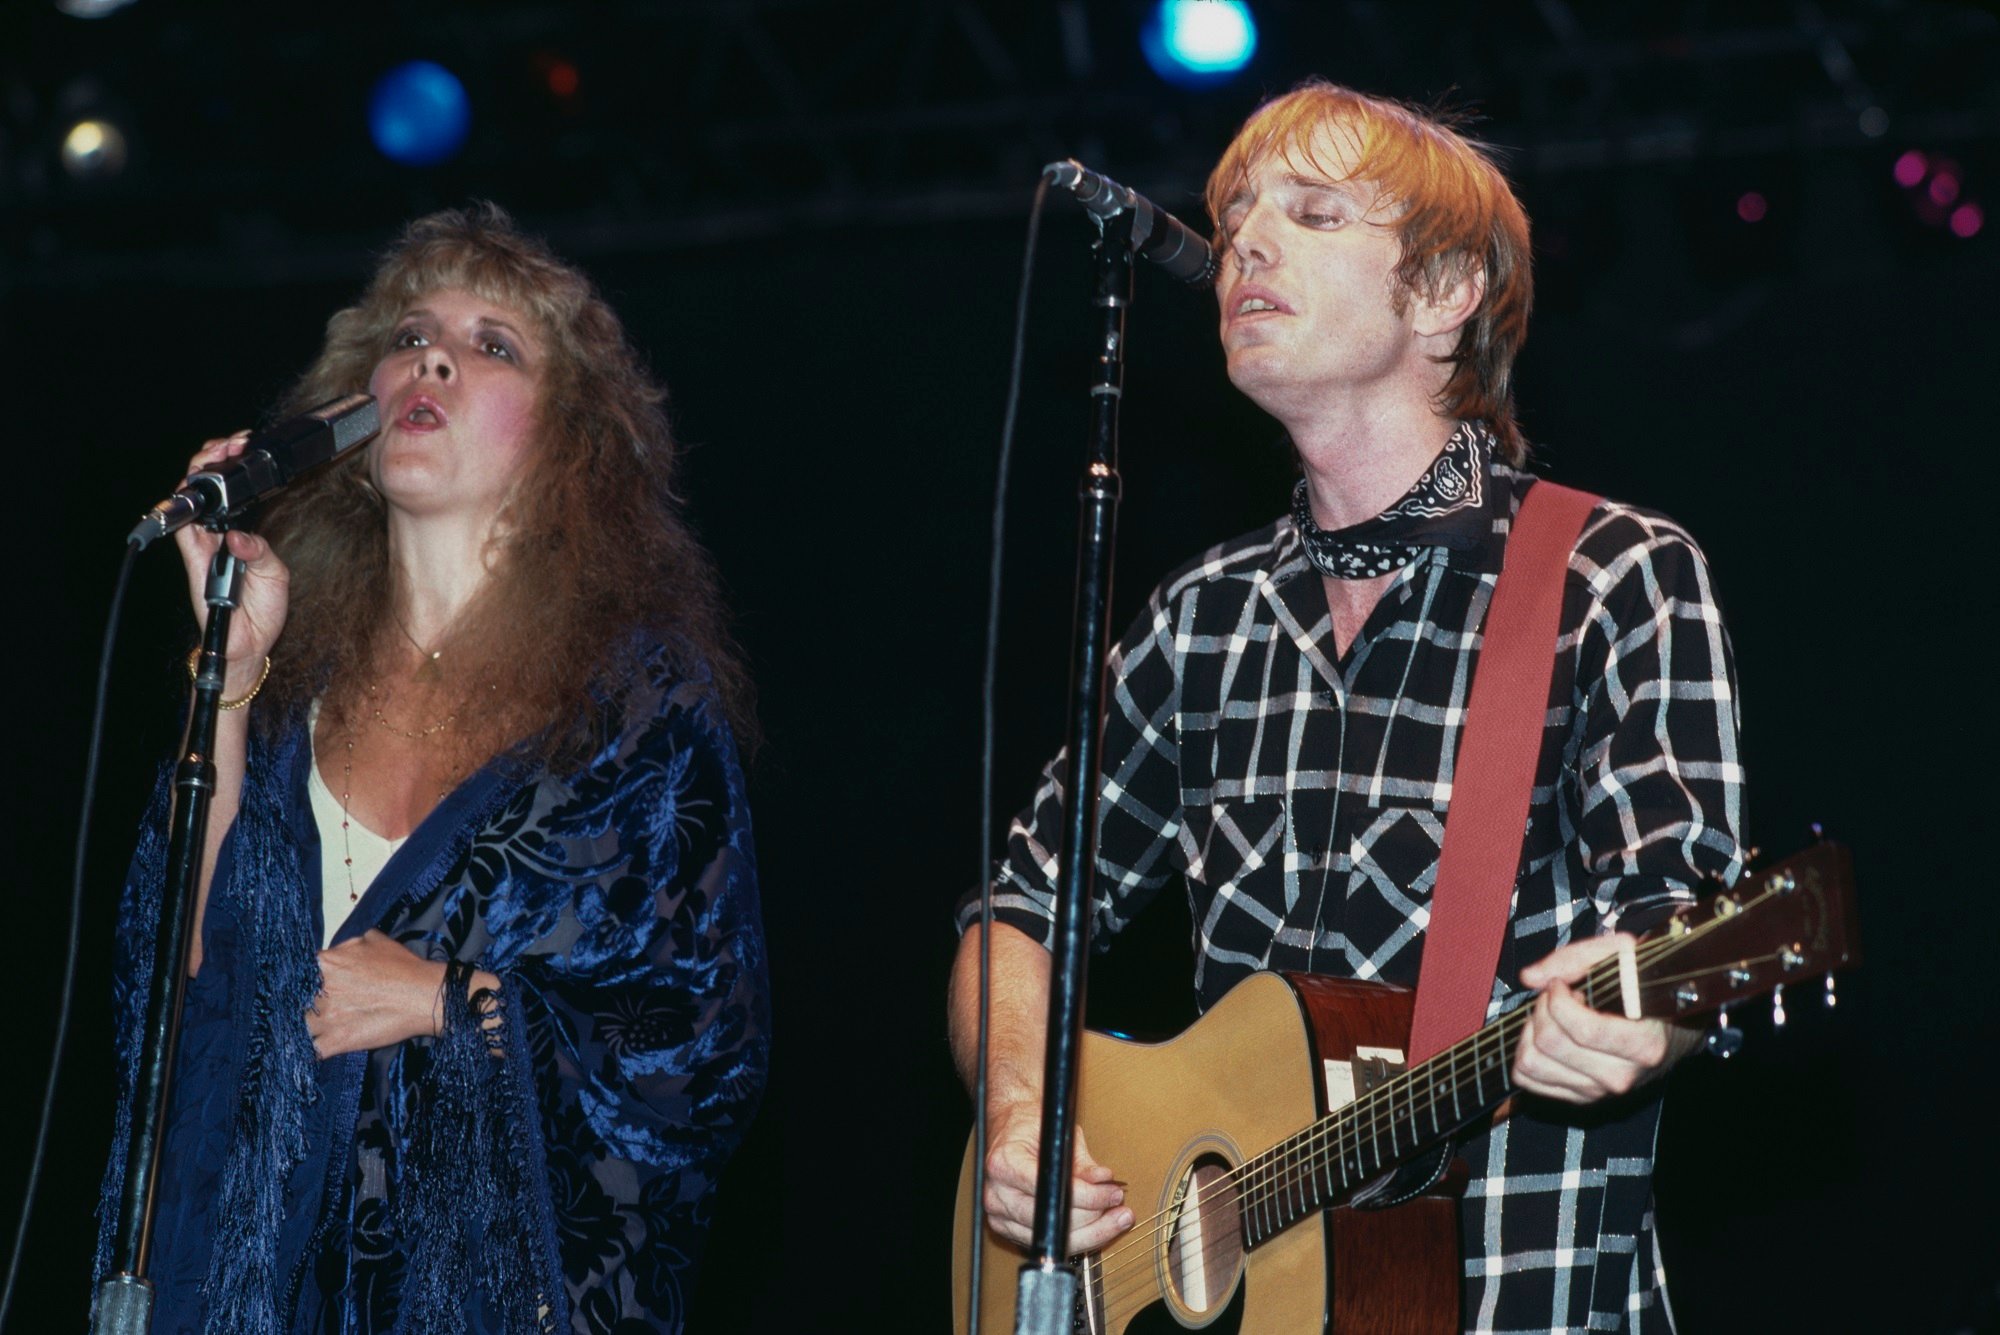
(988, 696)
(75, 924)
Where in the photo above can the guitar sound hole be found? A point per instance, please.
(1205, 1239)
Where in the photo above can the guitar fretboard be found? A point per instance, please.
(1389, 1125)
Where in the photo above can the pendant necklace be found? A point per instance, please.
(346, 841)
(429, 670)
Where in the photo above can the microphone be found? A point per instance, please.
(1156, 234)
(269, 460)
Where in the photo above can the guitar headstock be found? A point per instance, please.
(1783, 924)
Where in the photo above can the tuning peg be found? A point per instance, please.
(1725, 1040)
(1778, 1006)
(1831, 999)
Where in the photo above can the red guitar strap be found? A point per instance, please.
(1497, 749)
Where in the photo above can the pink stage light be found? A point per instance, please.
(1910, 169)
(1966, 220)
(1752, 206)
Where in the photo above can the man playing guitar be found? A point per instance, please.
(1285, 714)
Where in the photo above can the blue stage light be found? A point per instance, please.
(419, 114)
(1199, 42)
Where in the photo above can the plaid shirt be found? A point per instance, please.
(1302, 800)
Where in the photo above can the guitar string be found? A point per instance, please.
(1601, 977)
(1119, 1282)
(1286, 1155)
(1258, 1180)
(1259, 1184)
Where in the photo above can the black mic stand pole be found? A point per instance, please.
(125, 1297)
(1046, 1296)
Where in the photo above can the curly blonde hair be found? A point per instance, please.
(596, 560)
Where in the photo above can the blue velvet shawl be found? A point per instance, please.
(562, 1183)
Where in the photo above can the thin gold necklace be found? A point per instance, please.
(375, 709)
(347, 816)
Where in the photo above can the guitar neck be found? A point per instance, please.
(1385, 1128)
(1796, 919)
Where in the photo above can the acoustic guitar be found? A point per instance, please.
(1288, 1169)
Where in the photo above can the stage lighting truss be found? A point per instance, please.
(669, 124)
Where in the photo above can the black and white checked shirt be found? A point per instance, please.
(1301, 799)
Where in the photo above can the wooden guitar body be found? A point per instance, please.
(1171, 1118)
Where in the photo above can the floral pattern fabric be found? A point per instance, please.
(553, 1173)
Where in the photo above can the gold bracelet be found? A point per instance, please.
(194, 657)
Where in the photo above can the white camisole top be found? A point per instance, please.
(342, 885)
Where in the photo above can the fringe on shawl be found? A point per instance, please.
(470, 1165)
(463, 1203)
(268, 1139)
(138, 927)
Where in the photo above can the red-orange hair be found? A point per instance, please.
(1454, 214)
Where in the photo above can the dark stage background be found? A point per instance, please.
(810, 215)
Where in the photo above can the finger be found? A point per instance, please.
(1552, 1057)
(215, 450)
(1642, 1043)
(1017, 1233)
(196, 542)
(1536, 1072)
(1019, 1180)
(1010, 1213)
(1089, 1233)
(246, 546)
(1571, 962)
(1096, 1196)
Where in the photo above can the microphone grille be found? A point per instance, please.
(353, 419)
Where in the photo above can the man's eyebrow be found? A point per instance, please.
(1311, 182)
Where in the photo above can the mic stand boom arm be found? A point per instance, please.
(125, 1297)
(1046, 1296)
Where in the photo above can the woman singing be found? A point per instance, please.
(478, 1008)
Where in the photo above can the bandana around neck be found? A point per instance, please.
(1455, 481)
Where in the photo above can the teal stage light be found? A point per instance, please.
(1198, 43)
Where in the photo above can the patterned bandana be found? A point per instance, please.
(1455, 482)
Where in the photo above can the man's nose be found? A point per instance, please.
(1254, 240)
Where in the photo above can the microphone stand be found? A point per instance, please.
(125, 1297)
(1046, 1296)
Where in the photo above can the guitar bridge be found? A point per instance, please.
(1088, 1316)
